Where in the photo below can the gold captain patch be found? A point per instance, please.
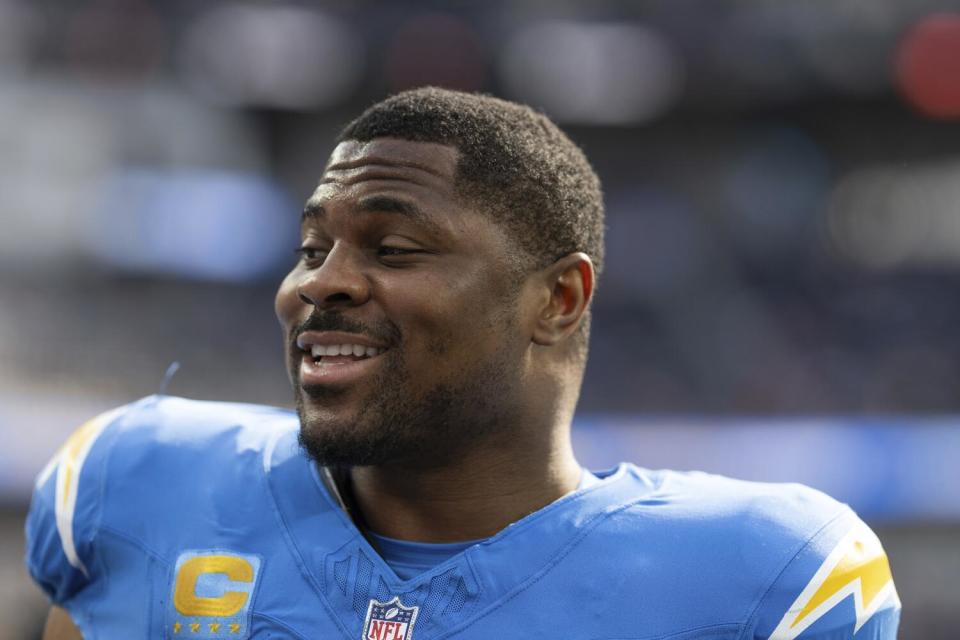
(212, 595)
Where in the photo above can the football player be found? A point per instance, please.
(435, 327)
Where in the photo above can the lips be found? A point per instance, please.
(336, 370)
(308, 339)
(334, 357)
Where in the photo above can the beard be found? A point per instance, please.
(398, 425)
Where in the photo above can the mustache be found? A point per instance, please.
(385, 332)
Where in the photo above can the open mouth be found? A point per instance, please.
(337, 357)
(332, 354)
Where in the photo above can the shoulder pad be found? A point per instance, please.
(839, 584)
(64, 511)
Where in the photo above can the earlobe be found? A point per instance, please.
(570, 284)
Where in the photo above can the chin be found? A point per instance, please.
(332, 444)
(334, 435)
(395, 426)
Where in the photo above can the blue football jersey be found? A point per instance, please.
(172, 518)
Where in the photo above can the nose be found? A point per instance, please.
(339, 281)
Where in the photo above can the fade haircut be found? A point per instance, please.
(514, 163)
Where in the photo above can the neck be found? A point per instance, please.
(474, 498)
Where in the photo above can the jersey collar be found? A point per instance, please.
(347, 573)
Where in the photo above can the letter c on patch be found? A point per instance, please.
(185, 597)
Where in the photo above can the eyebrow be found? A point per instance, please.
(377, 204)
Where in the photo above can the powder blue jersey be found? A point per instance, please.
(171, 518)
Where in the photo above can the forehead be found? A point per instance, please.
(414, 181)
(431, 158)
(421, 170)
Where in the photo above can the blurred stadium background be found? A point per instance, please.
(783, 185)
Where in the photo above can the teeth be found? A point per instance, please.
(357, 350)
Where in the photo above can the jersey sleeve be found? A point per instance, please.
(65, 512)
(838, 584)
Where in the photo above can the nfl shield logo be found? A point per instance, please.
(389, 621)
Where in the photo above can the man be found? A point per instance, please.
(436, 331)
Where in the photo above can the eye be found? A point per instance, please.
(311, 254)
(387, 250)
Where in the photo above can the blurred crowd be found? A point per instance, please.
(780, 179)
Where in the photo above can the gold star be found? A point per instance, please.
(234, 627)
(194, 626)
(214, 627)
(176, 627)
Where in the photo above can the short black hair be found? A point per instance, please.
(514, 162)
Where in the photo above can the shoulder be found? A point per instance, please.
(173, 458)
(164, 442)
(160, 426)
(797, 563)
(64, 510)
(118, 468)
(839, 584)
(779, 514)
(711, 524)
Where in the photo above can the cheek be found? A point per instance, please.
(458, 319)
(287, 303)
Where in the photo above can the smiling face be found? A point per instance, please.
(402, 318)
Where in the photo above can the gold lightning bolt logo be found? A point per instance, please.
(857, 566)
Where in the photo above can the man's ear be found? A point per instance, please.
(569, 282)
